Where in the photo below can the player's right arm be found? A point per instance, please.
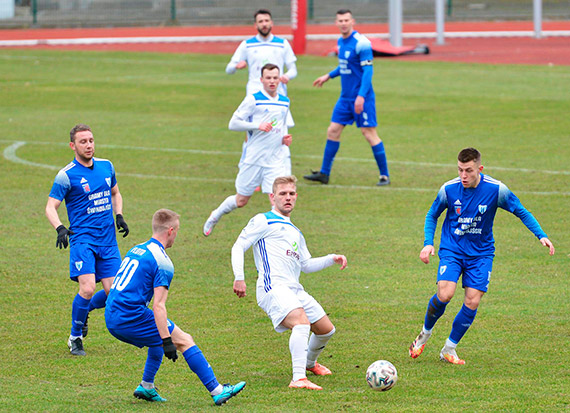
(239, 121)
(51, 212)
(438, 206)
(238, 60)
(249, 236)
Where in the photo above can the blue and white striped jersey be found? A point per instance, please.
(87, 195)
(262, 148)
(145, 267)
(257, 52)
(467, 230)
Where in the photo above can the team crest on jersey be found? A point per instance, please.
(346, 54)
(482, 209)
(457, 207)
(442, 269)
(78, 265)
(108, 180)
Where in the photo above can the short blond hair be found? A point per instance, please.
(163, 219)
(283, 180)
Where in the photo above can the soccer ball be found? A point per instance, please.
(381, 375)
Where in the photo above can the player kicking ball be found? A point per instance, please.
(467, 246)
(145, 272)
(280, 254)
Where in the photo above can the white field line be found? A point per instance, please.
(10, 155)
(210, 39)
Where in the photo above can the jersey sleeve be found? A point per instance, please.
(252, 233)
(113, 177)
(438, 206)
(241, 119)
(509, 202)
(61, 186)
(162, 278)
(289, 57)
(238, 56)
(364, 50)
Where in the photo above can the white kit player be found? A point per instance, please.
(263, 115)
(280, 254)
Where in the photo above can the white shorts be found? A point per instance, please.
(281, 300)
(251, 176)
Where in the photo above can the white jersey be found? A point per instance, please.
(279, 250)
(262, 148)
(258, 51)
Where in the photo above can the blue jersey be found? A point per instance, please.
(87, 195)
(145, 267)
(468, 227)
(355, 61)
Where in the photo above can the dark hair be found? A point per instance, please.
(262, 11)
(78, 128)
(344, 11)
(468, 155)
(268, 66)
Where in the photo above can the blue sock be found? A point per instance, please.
(79, 311)
(331, 148)
(200, 366)
(98, 300)
(462, 322)
(153, 360)
(435, 309)
(380, 156)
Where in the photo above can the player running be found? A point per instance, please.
(357, 99)
(145, 272)
(91, 193)
(264, 116)
(467, 246)
(280, 254)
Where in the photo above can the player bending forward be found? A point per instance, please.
(467, 246)
(280, 255)
(145, 272)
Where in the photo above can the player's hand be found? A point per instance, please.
(287, 139)
(320, 80)
(284, 79)
(340, 260)
(426, 252)
(359, 105)
(239, 288)
(547, 243)
(241, 65)
(62, 237)
(265, 126)
(169, 349)
(122, 225)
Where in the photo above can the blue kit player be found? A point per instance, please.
(357, 99)
(467, 246)
(89, 188)
(145, 272)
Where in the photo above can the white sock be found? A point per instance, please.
(298, 348)
(427, 332)
(147, 385)
(450, 344)
(218, 390)
(316, 345)
(74, 337)
(227, 206)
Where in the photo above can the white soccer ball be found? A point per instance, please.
(381, 375)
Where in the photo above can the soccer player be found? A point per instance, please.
(357, 99)
(91, 193)
(467, 246)
(264, 116)
(261, 49)
(145, 272)
(280, 255)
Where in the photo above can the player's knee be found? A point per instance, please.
(183, 341)
(445, 296)
(87, 291)
(241, 202)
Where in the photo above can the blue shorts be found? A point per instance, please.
(344, 113)
(476, 271)
(142, 333)
(104, 262)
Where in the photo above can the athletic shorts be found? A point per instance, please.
(251, 176)
(104, 262)
(475, 272)
(344, 113)
(281, 300)
(142, 333)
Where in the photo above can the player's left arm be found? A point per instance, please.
(289, 58)
(117, 201)
(310, 264)
(364, 50)
(509, 202)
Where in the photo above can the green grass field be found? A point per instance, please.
(162, 119)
